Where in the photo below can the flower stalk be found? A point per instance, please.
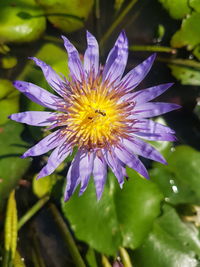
(67, 237)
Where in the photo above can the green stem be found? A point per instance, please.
(32, 211)
(67, 237)
(181, 62)
(125, 257)
(37, 257)
(117, 21)
(153, 48)
(105, 261)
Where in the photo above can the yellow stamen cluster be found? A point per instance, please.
(96, 118)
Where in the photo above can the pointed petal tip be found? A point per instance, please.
(23, 156)
(66, 197)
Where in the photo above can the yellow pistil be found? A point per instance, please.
(96, 119)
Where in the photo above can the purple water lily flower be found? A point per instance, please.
(98, 112)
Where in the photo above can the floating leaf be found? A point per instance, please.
(120, 218)
(14, 28)
(9, 100)
(176, 8)
(196, 52)
(171, 243)
(179, 180)
(12, 167)
(67, 16)
(187, 76)
(195, 4)
(189, 33)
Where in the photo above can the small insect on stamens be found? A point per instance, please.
(100, 112)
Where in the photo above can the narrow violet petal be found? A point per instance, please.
(39, 95)
(113, 162)
(100, 175)
(51, 76)
(73, 176)
(35, 118)
(139, 147)
(117, 59)
(74, 62)
(149, 126)
(156, 137)
(45, 145)
(153, 109)
(132, 161)
(55, 159)
(85, 169)
(136, 75)
(91, 56)
(145, 95)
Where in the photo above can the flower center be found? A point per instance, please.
(96, 119)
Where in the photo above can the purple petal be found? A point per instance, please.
(91, 57)
(136, 75)
(152, 109)
(148, 94)
(35, 118)
(156, 137)
(117, 59)
(46, 144)
(100, 175)
(149, 126)
(55, 159)
(74, 62)
(39, 95)
(132, 161)
(114, 164)
(73, 176)
(85, 169)
(143, 149)
(51, 76)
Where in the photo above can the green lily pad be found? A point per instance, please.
(67, 16)
(12, 167)
(195, 4)
(15, 28)
(9, 100)
(196, 52)
(121, 218)
(187, 76)
(171, 243)
(176, 8)
(179, 180)
(189, 33)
